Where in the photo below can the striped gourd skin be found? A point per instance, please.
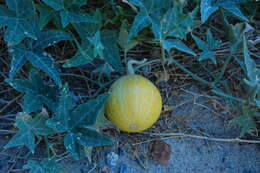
(134, 103)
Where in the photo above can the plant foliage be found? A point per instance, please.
(107, 31)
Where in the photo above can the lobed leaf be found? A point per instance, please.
(31, 102)
(245, 120)
(20, 85)
(72, 17)
(207, 8)
(168, 44)
(111, 51)
(71, 144)
(45, 15)
(22, 137)
(42, 62)
(55, 4)
(200, 43)
(28, 128)
(18, 19)
(123, 41)
(96, 43)
(86, 114)
(84, 55)
(148, 8)
(90, 137)
(49, 38)
(45, 166)
(18, 60)
(61, 121)
(252, 72)
(231, 6)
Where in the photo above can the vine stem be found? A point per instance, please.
(130, 69)
(171, 135)
(211, 85)
(190, 73)
(162, 53)
(125, 58)
(47, 146)
(11, 102)
(223, 69)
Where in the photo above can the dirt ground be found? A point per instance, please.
(191, 111)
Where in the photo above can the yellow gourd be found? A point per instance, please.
(134, 103)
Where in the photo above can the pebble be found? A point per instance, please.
(123, 168)
(146, 68)
(164, 84)
(249, 170)
(112, 159)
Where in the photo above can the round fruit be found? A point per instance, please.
(134, 103)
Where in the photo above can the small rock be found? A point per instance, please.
(112, 159)
(105, 169)
(123, 168)
(146, 68)
(161, 152)
(248, 170)
(163, 84)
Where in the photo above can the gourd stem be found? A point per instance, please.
(130, 69)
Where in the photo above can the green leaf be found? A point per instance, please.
(252, 72)
(90, 137)
(28, 128)
(231, 6)
(36, 92)
(60, 122)
(236, 36)
(31, 102)
(23, 8)
(207, 8)
(20, 85)
(18, 60)
(49, 38)
(143, 19)
(101, 121)
(111, 51)
(207, 47)
(168, 44)
(38, 124)
(200, 43)
(55, 4)
(87, 29)
(86, 114)
(245, 120)
(34, 166)
(174, 23)
(212, 44)
(72, 17)
(43, 62)
(18, 28)
(77, 3)
(98, 46)
(84, 55)
(35, 53)
(123, 41)
(71, 144)
(22, 137)
(45, 15)
(45, 166)
(208, 55)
